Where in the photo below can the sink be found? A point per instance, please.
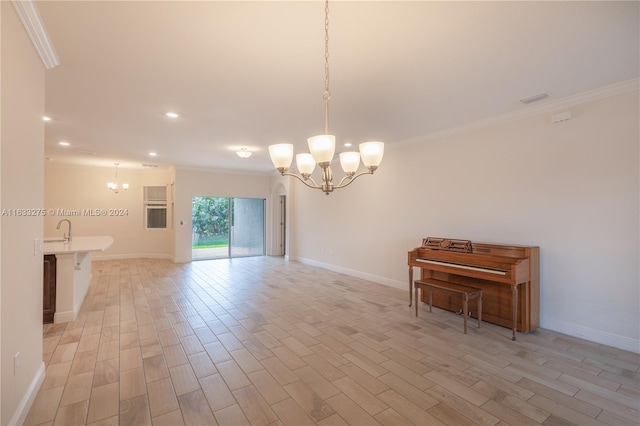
(54, 240)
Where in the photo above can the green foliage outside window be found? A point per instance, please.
(210, 218)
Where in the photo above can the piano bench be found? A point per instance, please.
(467, 293)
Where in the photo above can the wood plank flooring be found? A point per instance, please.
(263, 341)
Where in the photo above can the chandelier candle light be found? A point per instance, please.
(322, 147)
(114, 185)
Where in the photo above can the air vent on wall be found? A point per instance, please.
(149, 165)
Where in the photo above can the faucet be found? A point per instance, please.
(65, 235)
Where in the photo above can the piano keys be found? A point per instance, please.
(470, 268)
(509, 276)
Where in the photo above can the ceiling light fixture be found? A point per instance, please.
(153, 154)
(64, 143)
(45, 118)
(322, 147)
(114, 185)
(172, 115)
(243, 153)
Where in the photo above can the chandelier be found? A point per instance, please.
(322, 147)
(114, 185)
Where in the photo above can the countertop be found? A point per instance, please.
(77, 244)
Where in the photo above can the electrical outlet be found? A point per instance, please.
(16, 363)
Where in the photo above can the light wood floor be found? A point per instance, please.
(262, 341)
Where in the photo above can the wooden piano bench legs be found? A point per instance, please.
(467, 293)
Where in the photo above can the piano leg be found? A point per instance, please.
(411, 285)
(514, 302)
(479, 309)
(465, 310)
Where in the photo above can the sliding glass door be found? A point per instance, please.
(247, 227)
(227, 227)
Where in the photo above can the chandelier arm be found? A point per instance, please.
(314, 185)
(350, 179)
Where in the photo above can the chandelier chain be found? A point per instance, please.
(327, 93)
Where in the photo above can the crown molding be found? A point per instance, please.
(30, 18)
(529, 111)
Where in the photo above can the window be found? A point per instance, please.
(155, 207)
(156, 217)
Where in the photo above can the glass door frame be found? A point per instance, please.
(231, 231)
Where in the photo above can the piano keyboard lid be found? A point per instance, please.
(461, 266)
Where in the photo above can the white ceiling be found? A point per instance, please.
(252, 73)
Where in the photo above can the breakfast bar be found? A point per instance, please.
(72, 271)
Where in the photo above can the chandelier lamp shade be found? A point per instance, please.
(114, 186)
(322, 147)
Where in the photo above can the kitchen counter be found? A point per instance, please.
(73, 271)
(77, 244)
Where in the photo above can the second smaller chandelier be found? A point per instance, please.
(114, 185)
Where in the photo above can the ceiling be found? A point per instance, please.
(251, 74)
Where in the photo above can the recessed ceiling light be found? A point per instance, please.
(64, 143)
(153, 154)
(172, 115)
(348, 144)
(45, 118)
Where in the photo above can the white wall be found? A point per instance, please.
(190, 183)
(21, 166)
(571, 188)
(74, 187)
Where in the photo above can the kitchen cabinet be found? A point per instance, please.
(49, 287)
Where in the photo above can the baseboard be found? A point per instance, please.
(20, 415)
(402, 285)
(593, 335)
(65, 316)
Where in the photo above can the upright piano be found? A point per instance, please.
(509, 276)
